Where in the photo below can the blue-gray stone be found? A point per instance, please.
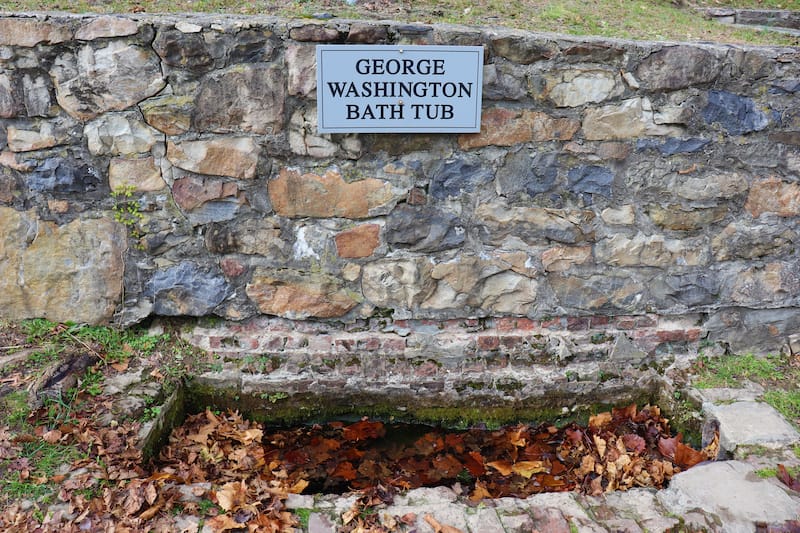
(423, 229)
(736, 114)
(533, 175)
(691, 290)
(590, 179)
(457, 176)
(673, 145)
(187, 289)
(785, 87)
(63, 175)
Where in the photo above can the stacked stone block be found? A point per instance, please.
(610, 181)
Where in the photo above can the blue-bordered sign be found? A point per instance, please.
(399, 89)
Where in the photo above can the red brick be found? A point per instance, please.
(488, 342)
(371, 344)
(393, 346)
(577, 323)
(599, 321)
(505, 323)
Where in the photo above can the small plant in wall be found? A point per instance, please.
(127, 211)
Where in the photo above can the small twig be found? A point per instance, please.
(15, 347)
(95, 352)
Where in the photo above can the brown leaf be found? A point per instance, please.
(363, 430)
(52, 436)
(668, 446)
(473, 461)
(440, 528)
(599, 420)
(600, 444)
(634, 443)
(687, 457)
(480, 492)
(232, 496)
(223, 522)
(786, 478)
(345, 471)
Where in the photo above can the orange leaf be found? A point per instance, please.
(600, 420)
(687, 457)
(667, 447)
(345, 471)
(528, 468)
(223, 522)
(232, 496)
(480, 492)
(440, 528)
(473, 461)
(504, 467)
(120, 367)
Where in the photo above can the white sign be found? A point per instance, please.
(399, 89)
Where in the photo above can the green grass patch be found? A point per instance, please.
(41, 460)
(635, 19)
(769, 473)
(733, 370)
(303, 515)
(786, 402)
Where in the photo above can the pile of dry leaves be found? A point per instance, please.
(248, 472)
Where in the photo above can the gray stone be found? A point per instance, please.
(677, 67)
(44, 134)
(503, 82)
(253, 45)
(63, 175)
(423, 229)
(529, 173)
(458, 176)
(169, 114)
(398, 283)
(187, 289)
(625, 350)
(533, 225)
(36, 94)
(185, 51)
(743, 240)
(320, 523)
(243, 98)
(750, 423)
(590, 179)
(759, 331)
(673, 145)
(736, 114)
(598, 293)
(261, 236)
(96, 79)
(689, 290)
(28, 32)
(118, 134)
(9, 96)
(520, 49)
(301, 61)
(745, 500)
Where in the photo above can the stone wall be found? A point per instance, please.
(622, 197)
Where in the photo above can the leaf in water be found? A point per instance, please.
(363, 430)
(345, 471)
(527, 469)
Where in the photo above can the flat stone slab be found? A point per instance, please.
(751, 423)
(732, 491)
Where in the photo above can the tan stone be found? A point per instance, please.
(507, 127)
(534, 224)
(653, 250)
(675, 218)
(360, 241)
(310, 195)
(561, 258)
(103, 27)
(772, 195)
(193, 191)
(769, 283)
(17, 31)
(621, 216)
(397, 283)
(712, 185)
(117, 134)
(252, 236)
(351, 271)
(141, 174)
(63, 273)
(236, 157)
(11, 160)
(169, 114)
(20, 140)
(578, 87)
(631, 119)
(298, 295)
(58, 206)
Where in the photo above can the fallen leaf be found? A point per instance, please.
(363, 430)
(504, 467)
(527, 469)
(634, 443)
(52, 436)
(440, 528)
(233, 495)
(787, 479)
(600, 420)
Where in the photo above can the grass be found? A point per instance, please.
(779, 375)
(634, 19)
